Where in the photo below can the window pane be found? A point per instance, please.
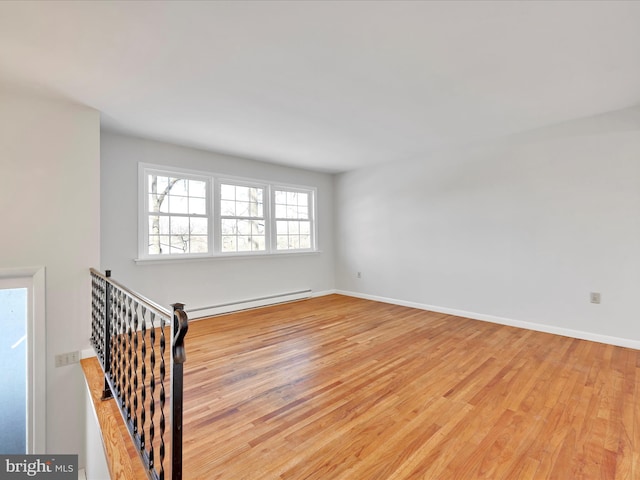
(244, 244)
(178, 204)
(242, 209)
(158, 225)
(281, 197)
(305, 228)
(259, 242)
(305, 241)
(257, 228)
(282, 227)
(199, 226)
(292, 198)
(197, 206)
(292, 211)
(242, 194)
(179, 243)
(154, 225)
(154, 245)
(229, 226)
(197, 189)
(294, 241)
(163, 203)
(227, 192)
(178, 187)
(244, 227)
(154, 205)
(303, 199)
(158, 183)
(256, 195)
(303, 212)
(229, 244)
(293, 228)
(198, 244)
(282, 242)
(179, 225)
(227, 208)
(281, 211)
(164, 225)
(164, 243)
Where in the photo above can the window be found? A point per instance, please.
(193, 214)
(293, 220)
(242, 220)
(176, 214)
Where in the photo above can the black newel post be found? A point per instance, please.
(179, 328)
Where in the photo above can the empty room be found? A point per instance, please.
(321, 239)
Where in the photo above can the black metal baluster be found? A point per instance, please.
(122, 366)
(129, 358)
(115, 319)
(135, 367)
(106, 359)
(152, 388)
(143, 393)
(162, 399)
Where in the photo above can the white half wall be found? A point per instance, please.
(204, 282)
(521, 229)
(50, 210)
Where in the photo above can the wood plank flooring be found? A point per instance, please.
(123, 460)
(343, 388)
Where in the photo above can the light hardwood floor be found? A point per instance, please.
(342, 388)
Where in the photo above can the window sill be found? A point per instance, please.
(230, 256)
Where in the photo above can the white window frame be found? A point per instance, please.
(214, 214)
(143, 216)
(312, 216)
(266, 213)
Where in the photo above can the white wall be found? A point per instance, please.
(201, 283)
(518, 230)
(96, 467)
(49, 205)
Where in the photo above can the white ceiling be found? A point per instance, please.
(332, 85)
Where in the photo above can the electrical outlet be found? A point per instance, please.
(67, 358)
(358, 274)
(594, 297)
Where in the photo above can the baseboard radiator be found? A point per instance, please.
(212, 310)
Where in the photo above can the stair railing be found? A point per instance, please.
(129, 334)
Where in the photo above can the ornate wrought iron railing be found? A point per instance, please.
(129, 334)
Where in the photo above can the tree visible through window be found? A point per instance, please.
(242, 221)
(177, 215)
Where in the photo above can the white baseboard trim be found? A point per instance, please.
(323, 293)
(539, 327)
(213, 310)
